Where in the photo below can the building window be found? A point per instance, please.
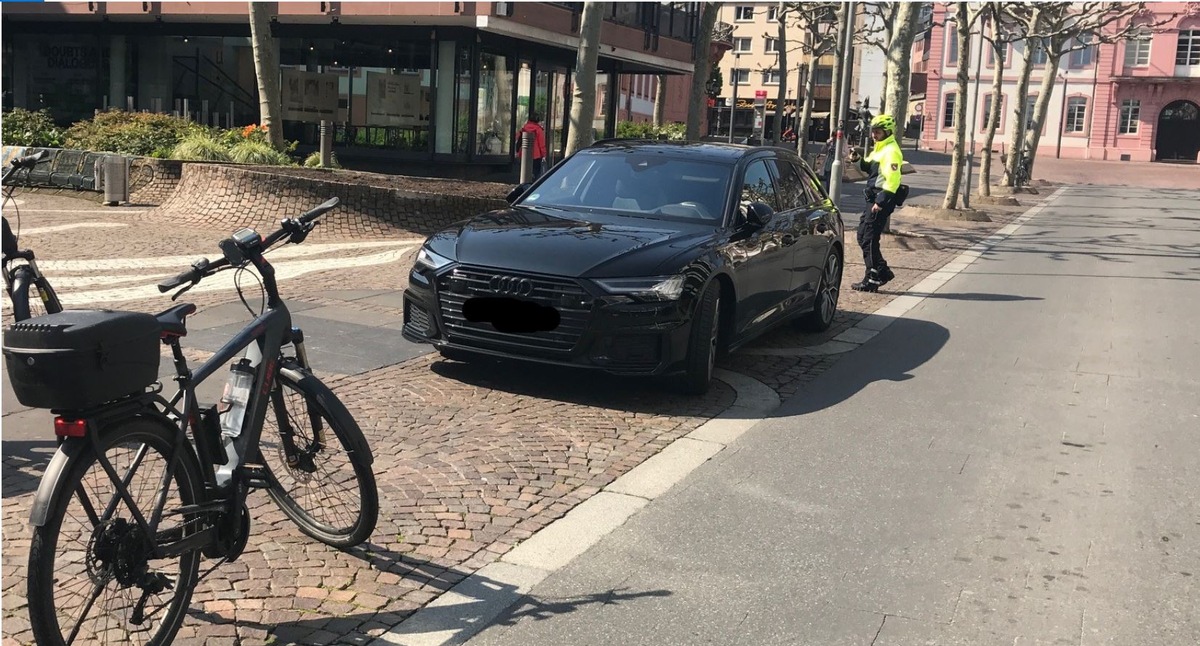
(948, 116)
(951, 45)
(772, 45)
(1030, 102)
(770, 77)
(1082, 57)
(743, 13)
(824, 76)
(741, 77)
(1137, 50)
(1076, 113)
(987, 112)
(1130, 111)
(1188, 50)
(991, 55)
(773, 13)
(742, 45)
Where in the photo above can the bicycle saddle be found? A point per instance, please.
(174, 320)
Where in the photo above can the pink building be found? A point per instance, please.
(1137, 100)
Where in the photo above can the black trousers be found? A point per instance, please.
(870, 228)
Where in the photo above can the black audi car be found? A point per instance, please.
(635, 257)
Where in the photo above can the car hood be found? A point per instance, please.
(573, 243)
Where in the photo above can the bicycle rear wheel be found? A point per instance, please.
(90, 566)
(327, 488)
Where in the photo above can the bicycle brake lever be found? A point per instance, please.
(181, 292)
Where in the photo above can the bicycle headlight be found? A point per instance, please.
(430, 260)
(656, 288)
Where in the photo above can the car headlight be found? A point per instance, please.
(657, 288)
(426, 258)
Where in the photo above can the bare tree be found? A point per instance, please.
(1072, 27)
(660, 99)
(701, 67)
(265, 50)
(999, 37)
(817, 39)
(583, 98)
(899, 62)
(964, 18)
(781, 46)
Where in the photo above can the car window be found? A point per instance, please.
(638, 183)
(813, 185)
(758, 186)
(792, 194)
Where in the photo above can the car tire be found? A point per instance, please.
(703, 343)
(826, 301)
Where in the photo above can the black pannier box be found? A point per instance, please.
(81, 358)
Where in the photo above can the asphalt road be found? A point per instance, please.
(1013, 462)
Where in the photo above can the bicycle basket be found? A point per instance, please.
(81, 358)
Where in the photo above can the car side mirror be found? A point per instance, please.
(758, 214)
(517, 192)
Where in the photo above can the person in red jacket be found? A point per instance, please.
(538, 149)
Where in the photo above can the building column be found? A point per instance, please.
(447, 89)
(116, 72)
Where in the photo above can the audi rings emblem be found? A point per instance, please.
(511, 285)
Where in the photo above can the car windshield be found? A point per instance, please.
(647, 184)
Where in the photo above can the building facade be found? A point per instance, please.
(752, 67)
(422, 84)
(1137, 100)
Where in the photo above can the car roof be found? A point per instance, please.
(712, 150)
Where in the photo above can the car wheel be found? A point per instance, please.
(826, 302)
(703, 342)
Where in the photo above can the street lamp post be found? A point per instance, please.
(733, 108)
(1062, 118)
(966, 194)
(843, 105)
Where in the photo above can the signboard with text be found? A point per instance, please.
(396, 100)
(309, 96)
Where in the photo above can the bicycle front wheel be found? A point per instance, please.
(319, 461)
(92, 575)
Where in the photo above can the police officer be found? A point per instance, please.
(882, 167)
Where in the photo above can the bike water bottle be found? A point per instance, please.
(237, 394)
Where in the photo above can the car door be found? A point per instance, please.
(824, 224)
(761, 257)
(807, 249)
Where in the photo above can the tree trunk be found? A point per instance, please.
(583, 97)
(899, 64)
(265, 50)
(1040, 109)
(701, 67)
(985, 164)
(960, 106)
(660, 99)
(781, 95)
(834, 90)
(810, 83)
(1017, 131)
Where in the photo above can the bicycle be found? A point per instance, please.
(1021, 174)
(129, 504)
(28, 289)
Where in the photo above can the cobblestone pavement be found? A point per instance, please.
(470, 458)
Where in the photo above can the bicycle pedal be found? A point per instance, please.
(256, 476)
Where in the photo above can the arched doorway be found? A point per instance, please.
(1178, 136)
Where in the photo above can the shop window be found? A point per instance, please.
(494, 123)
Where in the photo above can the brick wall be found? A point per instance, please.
(152, 181)
(229, 197)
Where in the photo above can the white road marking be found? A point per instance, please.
(67, 227)
(176, 264)
(287, 266)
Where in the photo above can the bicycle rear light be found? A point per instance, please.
(64, 427)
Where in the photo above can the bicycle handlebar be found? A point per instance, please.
(203, 267)
(29, 161)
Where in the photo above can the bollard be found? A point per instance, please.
(326, 144)
(526, 157)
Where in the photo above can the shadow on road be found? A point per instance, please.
(974, 296)
(24, 461)
(882, 358)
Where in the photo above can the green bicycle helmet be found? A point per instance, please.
(884, 122)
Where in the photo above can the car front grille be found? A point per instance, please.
(573, 303)
(416, 320)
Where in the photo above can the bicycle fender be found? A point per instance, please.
(55, 472)
(358, 444)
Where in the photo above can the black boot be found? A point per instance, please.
(871, 283)
(886, 276)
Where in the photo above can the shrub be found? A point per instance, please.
(647, 130)
(314, 160)
(130, 133)
(256, 152)
(200, 147)
(26, 128)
